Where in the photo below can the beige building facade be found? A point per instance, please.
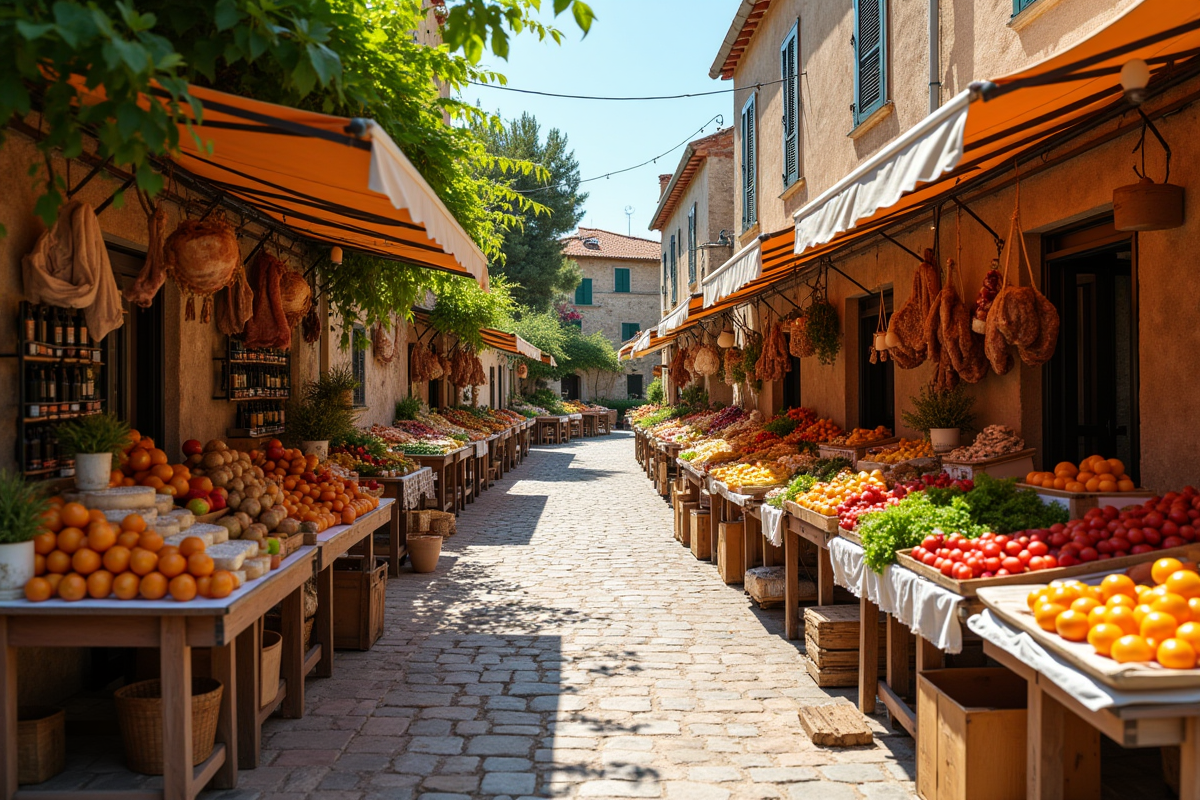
(618, 296)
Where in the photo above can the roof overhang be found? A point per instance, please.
(741, 30)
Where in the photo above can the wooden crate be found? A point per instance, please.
(971, 741)
(731, 560)
(683, 522)
(358, 602)
(836, 627)
(701, 533)
(41, 743)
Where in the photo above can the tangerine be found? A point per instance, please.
(1174, 605)
(167, 549)
(154, 586)
(221, 584)
(1121, 600)
(142, 562)
(39, 564)
(116, 559)
(128, 539)
(126, 586)
(1176, 653)
(99, 584)
(52, 519)
(101, 537)
(1190, 633)
(151, 540)
(190, 546)
(1164, 568)
(1123, 617)
(1103, 636)
(1072, 625)
(1140, 612)
(54, 579)
(1131, 648)
(44, 543)
(70, 540)
(72, 587)
(38, 589)
(1086, 604)
(172, 564)
(204, 586)
(75, 515)
(1096, 616)
(1118, 584)
(183, 588)
(1184, 583)
(1046, 613)
(1158, 625)
(85, 561)
(200, 564)
(58, 563)
(133, 522)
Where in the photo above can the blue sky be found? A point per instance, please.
(636, 47)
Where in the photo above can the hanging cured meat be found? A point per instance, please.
(296, 296)
(774, 361)
(992, 283)
(733, 361)
(689, 360)
(141, 292)
(202, 256)
(799, 344)
(268, 325)
(908, 324)
(1020, 316)
(707, 361)
(382, 345)
(680, 374)
(235, 305)
(310, 327)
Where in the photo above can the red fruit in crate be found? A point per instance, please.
(275, 453)
(197, 494)
(192, 448)
(217, 501)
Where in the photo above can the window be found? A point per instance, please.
(789, 74)
(583, 292)
(749, 165)
(692, 244)
(674, 274)
(629, 330)
(620, 279)
(870, 57)
(358, 364)
(633, 385)
(1021, 5)
(666, 276)
(492, 387)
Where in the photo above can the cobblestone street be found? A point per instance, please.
(567, 646)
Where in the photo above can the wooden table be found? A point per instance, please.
(393, 488)
(795, 529)
(230, 626)
(588, 424)
(331, 545)
(444, 467)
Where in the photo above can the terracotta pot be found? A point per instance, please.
(944, 439)
(424, 551)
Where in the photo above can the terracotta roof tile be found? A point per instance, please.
(597, 243)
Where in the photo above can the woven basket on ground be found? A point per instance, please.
(140, 716)
(442, 523)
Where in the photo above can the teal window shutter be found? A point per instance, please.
(583, 293)
(674, 272)
(749, 165)
(629, 330)
(620, 279)
(1021, 5)
(692, 244)
(870, 57)
(789, 75)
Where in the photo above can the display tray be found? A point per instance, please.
(211, 516)
(1013, 465)
(1010, 605)
(852, 536)
(818, 521)
(969, 588)
(866, 465)
(754, 491)
(853, 452)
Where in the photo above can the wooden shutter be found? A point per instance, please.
(621, 280)
(692, 244)
(629, 330)
(788, 72)
(583, 293)
(1021, 5)
(674, 272)
(749, 165)
(870, 57)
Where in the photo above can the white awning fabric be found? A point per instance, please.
(528, 350)
(674, 318)
(923, 153)
(745, 266)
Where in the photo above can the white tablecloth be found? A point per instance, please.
(772, 524)
(928, 609)
(1091, 693)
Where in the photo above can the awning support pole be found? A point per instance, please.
(856, 283)
(902, 247)
(999, 241)
(113, 196)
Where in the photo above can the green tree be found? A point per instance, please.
(533, 259)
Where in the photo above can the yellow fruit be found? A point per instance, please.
(1046, 613)
(1118, 583)
(1103, 636)
(1184, 583)
(1174, 605)
(1164, 568)
(1176, 654)
(1131, 648)
(1124, 618)
(1072, 625)
(1158, 626)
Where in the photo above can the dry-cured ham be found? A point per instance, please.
(992, 283)
(235, 305)
(296, 296)
(202, 257)
(268, 325)
(680, 374)
(908, 324)
(774, 361)
(1042, 348)
(141, 292)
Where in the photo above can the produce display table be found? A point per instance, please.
(444, 469)
(230, 626)
(409, 491)
(795, 529)
(588, 427)
(464, 468)
(552, 426)
(331, 545)
(730, 506)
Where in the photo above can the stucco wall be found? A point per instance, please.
(609, 309)
(711, 189)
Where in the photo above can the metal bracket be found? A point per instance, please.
(995, 236)
(113, 196)
(902, 247)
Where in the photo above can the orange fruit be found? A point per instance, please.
(126, 586)
(1123, 617)
(74, 515)
(58, 562)
(167, 549)
(200, 564)
(1140, 611)
(1103, 636)
(204, 586)
(1174, 605)
(1046, 613)
(221, 584)
(72, 587)
(183, 588)
(1176, 654)
(158, 457)
(101, 537)
(154, 586)
(179, 484)
(44, 543)
(1184, 583)
(1194, 607)
(172, 564)
(134, 523)
(1115, 466)
(39, 564)
(1118, 584)
(151, 540)
(1164, 568)
(54, 579)
(1066, 469)
(85, 561)
(142, 562)
(52, 519)
(128, 539)
(1121, 600)
(1096, 616)
(96, 515)
(70, 540)
(99, 584)
(139, 460)
(163, 472)
(153, 482)
(1158, 625)
(191, 545)
(1125, 486)
(1131, 648)
(116, 559)
(1086, 604)
(37, 590)
(1072, 625)
(1190, 633)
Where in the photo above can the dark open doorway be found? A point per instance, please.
(1090, 386)
(570, 387)
(135, 356)
(876, 382)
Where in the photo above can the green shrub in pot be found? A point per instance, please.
(95, 441)
(22, 505)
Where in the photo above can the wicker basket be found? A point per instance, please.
(371, 492)
(42, 743)
(442, 523)
(140, 716)
(272, 657)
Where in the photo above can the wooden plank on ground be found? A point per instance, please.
(835, 725)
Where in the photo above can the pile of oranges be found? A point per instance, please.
(323, 500)
(80, 554)
(143, 464)
(1125, 621)
(1094, 474)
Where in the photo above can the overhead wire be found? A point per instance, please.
(620, 98)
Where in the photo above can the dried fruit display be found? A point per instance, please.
(774, 361)
(992, 442)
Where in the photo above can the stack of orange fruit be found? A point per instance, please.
(1125, 621)
(1094, 474)
(143, 464)
(80, 554)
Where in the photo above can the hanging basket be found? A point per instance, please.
(522, 371)
(1147, 206)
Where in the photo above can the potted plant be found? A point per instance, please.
(22, 505)
(942, 416)
(95, 441)
(336, 386)
(322, 412)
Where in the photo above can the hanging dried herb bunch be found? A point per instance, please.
(735, 373)
(750, 355)
(823, 330)
(774, 361)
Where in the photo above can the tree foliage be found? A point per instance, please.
(468, 309)
(573, 352)
(532, 253)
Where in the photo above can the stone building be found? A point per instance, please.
(619, 295)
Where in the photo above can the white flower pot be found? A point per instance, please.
(16, 568)
(944, 439)
(881, 342)
(92, 471)
(319, 449)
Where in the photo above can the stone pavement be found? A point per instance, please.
(567, 646)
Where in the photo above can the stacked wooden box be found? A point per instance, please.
(731, 562)
(831, 644)
(700, 540)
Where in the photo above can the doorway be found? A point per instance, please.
(570, 387)
(791, 384)
(876, 382)
(135, 354)
(1090, 385)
